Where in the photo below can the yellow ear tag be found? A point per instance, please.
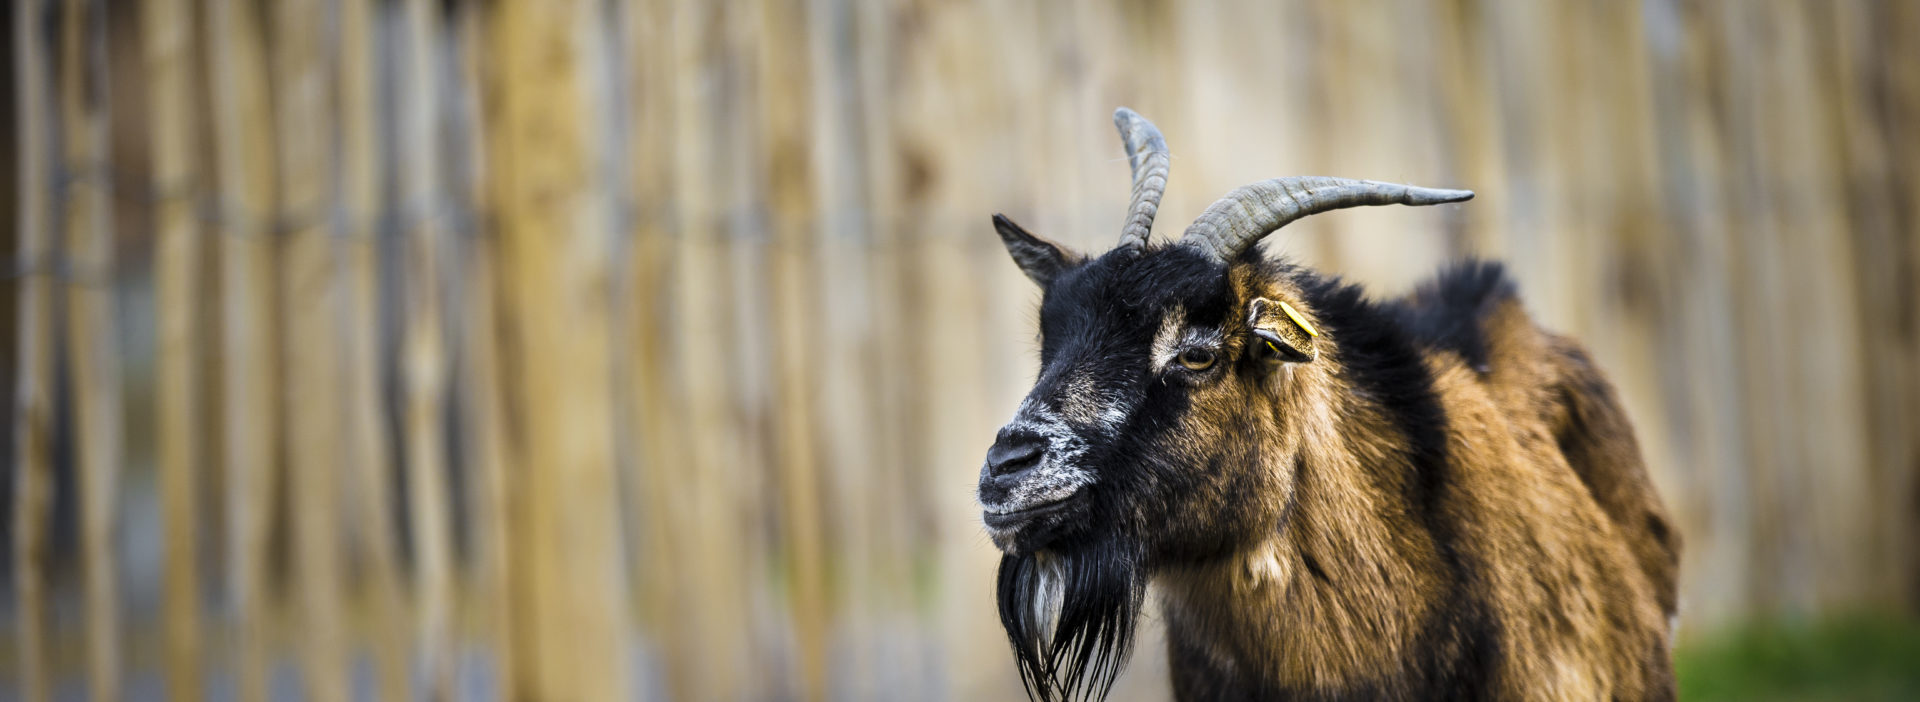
(1294, 315)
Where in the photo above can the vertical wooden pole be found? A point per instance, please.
(660, 420)
(168, 39)
(370, 468)
(703, 157)
(1472, 120)
(90, 328)
(482, 415)
(1701, 335)
(243, 144)
(840, 265)
(309, 304)
(1901, 24)
(488, 450)
(725, 270)
(1831, 485)
(1761, 317)
(941, 173)
(33, 386)
(896, 289)
(892, 293)
(1856, 41)
(785, 150)
(423, 352)
(552, 261)
(1906, 20)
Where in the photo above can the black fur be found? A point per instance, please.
(1099, 317)
(1040, 259)
(1113, 303)
(1449, 313)
(1102, 588)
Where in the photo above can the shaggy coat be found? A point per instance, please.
(1335, 498)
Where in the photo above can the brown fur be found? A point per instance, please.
(1548, 510)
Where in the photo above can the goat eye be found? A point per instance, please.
(1196, 359)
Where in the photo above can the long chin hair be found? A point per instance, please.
(1070, 617)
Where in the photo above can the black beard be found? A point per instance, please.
(1097, 592)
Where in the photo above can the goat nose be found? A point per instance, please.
(1014, 453)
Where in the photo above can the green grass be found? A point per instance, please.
(1854, 658)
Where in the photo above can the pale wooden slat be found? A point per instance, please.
(552, 262)
(483, 424)
(749, 475)
(1893, 380)
(92, 341)
(1905, 23)
(703, 51)
(423, 352)
(167, 38)
(1762, 277)
(847, 410)
(1833, 475)
(245, 191)
(666, 595)
(33, 413)
(309, 296)
(365, 439)
(1719, 558)
(1858, 33)
(483, 412)
(784, 153)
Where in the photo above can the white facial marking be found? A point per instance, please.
(1084, 403)
(1059, 474)
(1166, 341)
(1175, 336)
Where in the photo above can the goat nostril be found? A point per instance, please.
(1013, 454)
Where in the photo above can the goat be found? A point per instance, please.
(1335, 497)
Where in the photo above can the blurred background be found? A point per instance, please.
(507, 349)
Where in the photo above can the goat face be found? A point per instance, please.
(1154, 416)
(1152, 436)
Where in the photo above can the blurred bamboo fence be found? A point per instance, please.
(573, 350)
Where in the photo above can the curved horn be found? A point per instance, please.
(1240, 219)
(1147, 153)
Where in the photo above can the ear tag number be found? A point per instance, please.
(1294, 315)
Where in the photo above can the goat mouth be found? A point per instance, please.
(1014, 518)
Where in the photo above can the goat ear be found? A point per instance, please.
(1280, 332)
(1040, 259)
